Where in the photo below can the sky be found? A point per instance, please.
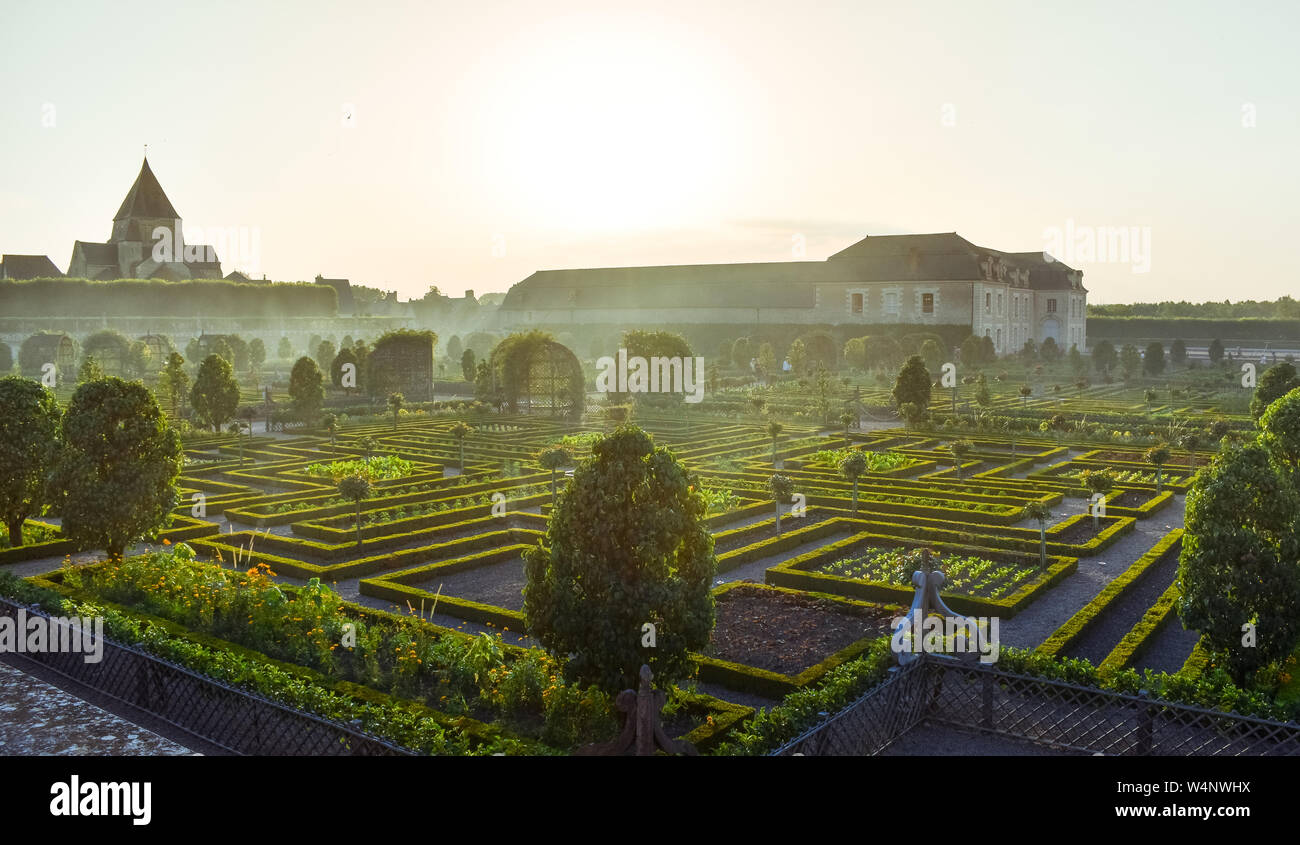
(466, 145)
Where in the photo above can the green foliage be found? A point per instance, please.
(1153, 363)
(118, 472)
(626, 546)
(913, 384)
(382, 467)
(1274, 383)
(215, 394)
(90, 370)
(468, 365)
(306, 390)
(1238, 564)
(173, 382)
(29, 442)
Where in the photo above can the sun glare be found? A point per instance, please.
(592, 132)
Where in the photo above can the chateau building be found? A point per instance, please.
(934, 279)
(136, 249)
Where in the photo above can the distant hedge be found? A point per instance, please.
(157, 298)
(1191, 328)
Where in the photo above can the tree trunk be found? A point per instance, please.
(855, 496)
(1042, 545)
(553, 494)
(116, 549)
(15, 527)
(357, 522)
(778, 517)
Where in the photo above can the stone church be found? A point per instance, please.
(932, 279)
(137, 249)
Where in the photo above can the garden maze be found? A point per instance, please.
(443, 542)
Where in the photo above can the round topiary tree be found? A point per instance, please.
(782, 490)
(852, 467)
(355, 488)
(1040, 512)
(306, 390)
(627, 547)
(555, 459)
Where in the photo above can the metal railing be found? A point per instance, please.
(972, 696)
(235, 720)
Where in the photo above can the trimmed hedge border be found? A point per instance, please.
(1078, 624)
(792, 573)
(1132, 645)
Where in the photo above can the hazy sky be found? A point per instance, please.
(491, 139)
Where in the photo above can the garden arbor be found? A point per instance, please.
(537, 375)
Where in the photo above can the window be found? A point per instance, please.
(999, 305)
(1051, 306)
(891, 302)
(988, 302)
(927, 303)
(857, 303)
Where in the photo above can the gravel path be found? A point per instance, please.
(1120, 617)
(1038, 621)
(1169, 649)
(754, 570)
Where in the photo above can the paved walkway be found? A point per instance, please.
(37, 718)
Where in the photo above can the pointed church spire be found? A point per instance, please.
(146, 199)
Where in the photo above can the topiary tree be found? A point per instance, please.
(395, 401)
(29, 443)
(1104, 357)
(284, 351)
(1216, 351)
(846, 419)
(1153, 363)
(468, 365)
(1157, 456)
(116, 476)
(355, 488)
(852, 466)
(89, 371)
(1042, 513)
(555, 459)
(1097, 481)
(1025, 392)
(774, 430)
(306, 389)
(959, 450)
(1190, 442)
(912, 386)
(460, 431)
(215, 394)
(173, 381)
(1274, 383)
(1237, 571)
(1178, 352)
(627, 546)
(330, 422)
(782, 490)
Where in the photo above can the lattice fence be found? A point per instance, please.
(983, 698)
(236, 720)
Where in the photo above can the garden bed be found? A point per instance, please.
(785, 632)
